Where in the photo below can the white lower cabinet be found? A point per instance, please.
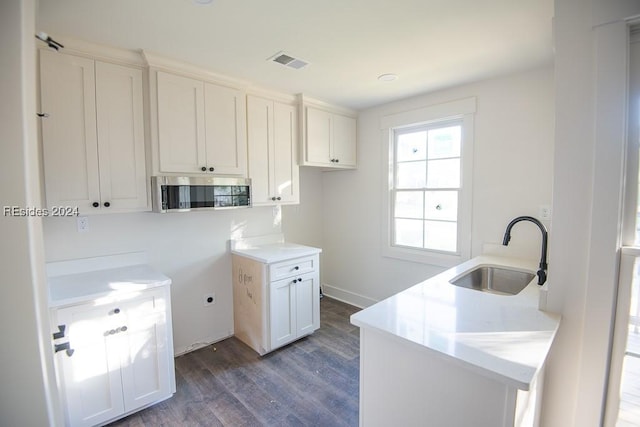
(402, 383)
(292, 307)
(275, 303)
(118, 358)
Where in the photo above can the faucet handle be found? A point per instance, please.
(542, 277)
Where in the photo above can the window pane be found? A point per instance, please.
(441, 236)
(441, 205)
(409, 204)
(409, 232)
(443, 173)
(412, 146)
(411, 175)
(444, 142)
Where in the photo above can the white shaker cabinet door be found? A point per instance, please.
(121, 151)
(273, 140)
(285, 147)
(343, 141)
(181, 126)
(69, 138)
(260, 137)
(225, 126)
(307, 304)
(145, 353)
(91, 374)
(282, 312)
(318, 136)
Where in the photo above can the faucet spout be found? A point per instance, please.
(542, 268)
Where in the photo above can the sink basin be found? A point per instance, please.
(496, 280)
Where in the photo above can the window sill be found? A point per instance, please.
(424, 257)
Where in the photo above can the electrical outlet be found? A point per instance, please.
(209, 299)
(545, 212)
(82, 223)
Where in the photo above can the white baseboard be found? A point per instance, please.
(349, 297)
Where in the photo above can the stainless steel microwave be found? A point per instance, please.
(184, 194)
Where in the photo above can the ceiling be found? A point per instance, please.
(428, 44)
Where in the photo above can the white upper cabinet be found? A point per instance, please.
(201, 127)
(93, 137)
(343, 140)
(225, 129)
(181, 138)
(272, 129)
(328, 136)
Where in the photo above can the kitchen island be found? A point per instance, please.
(438, 354)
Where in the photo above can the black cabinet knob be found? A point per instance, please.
(107, 204)
(299, 280)
(279, 198)
(296, 268)
(204, 169)
(123, 329)
(95, 204)
(116, 311)
(337, 160)
(211, 169)
(273, 198)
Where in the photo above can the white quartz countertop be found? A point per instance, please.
(504, 337)
(275, 252)
(67, 289)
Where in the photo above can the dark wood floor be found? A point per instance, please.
(312, 382)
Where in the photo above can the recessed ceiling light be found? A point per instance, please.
(387, 77)
(203, 1)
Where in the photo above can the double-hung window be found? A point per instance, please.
(428, 196)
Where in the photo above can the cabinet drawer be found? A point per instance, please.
(294, 267)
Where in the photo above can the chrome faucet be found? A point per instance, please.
(542, 269)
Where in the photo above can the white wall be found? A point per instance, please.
(303, 223)
(191, 248)
(26, 370)
(590, 77)
(512, 176)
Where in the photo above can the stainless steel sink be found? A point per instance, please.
(496, 280)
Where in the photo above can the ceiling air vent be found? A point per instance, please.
(288, 60)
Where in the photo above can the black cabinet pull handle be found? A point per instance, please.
(116, 311)
(95, 204)
(42, 115)
(296, 268)
(279, 198)
(107, 204)
(204, 169)
(64, 346)
(211, 169)
(60, 333)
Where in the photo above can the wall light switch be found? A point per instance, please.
(82, 222)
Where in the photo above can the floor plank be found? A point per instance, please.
(312, 382)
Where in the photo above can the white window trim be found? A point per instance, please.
(464, 110)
